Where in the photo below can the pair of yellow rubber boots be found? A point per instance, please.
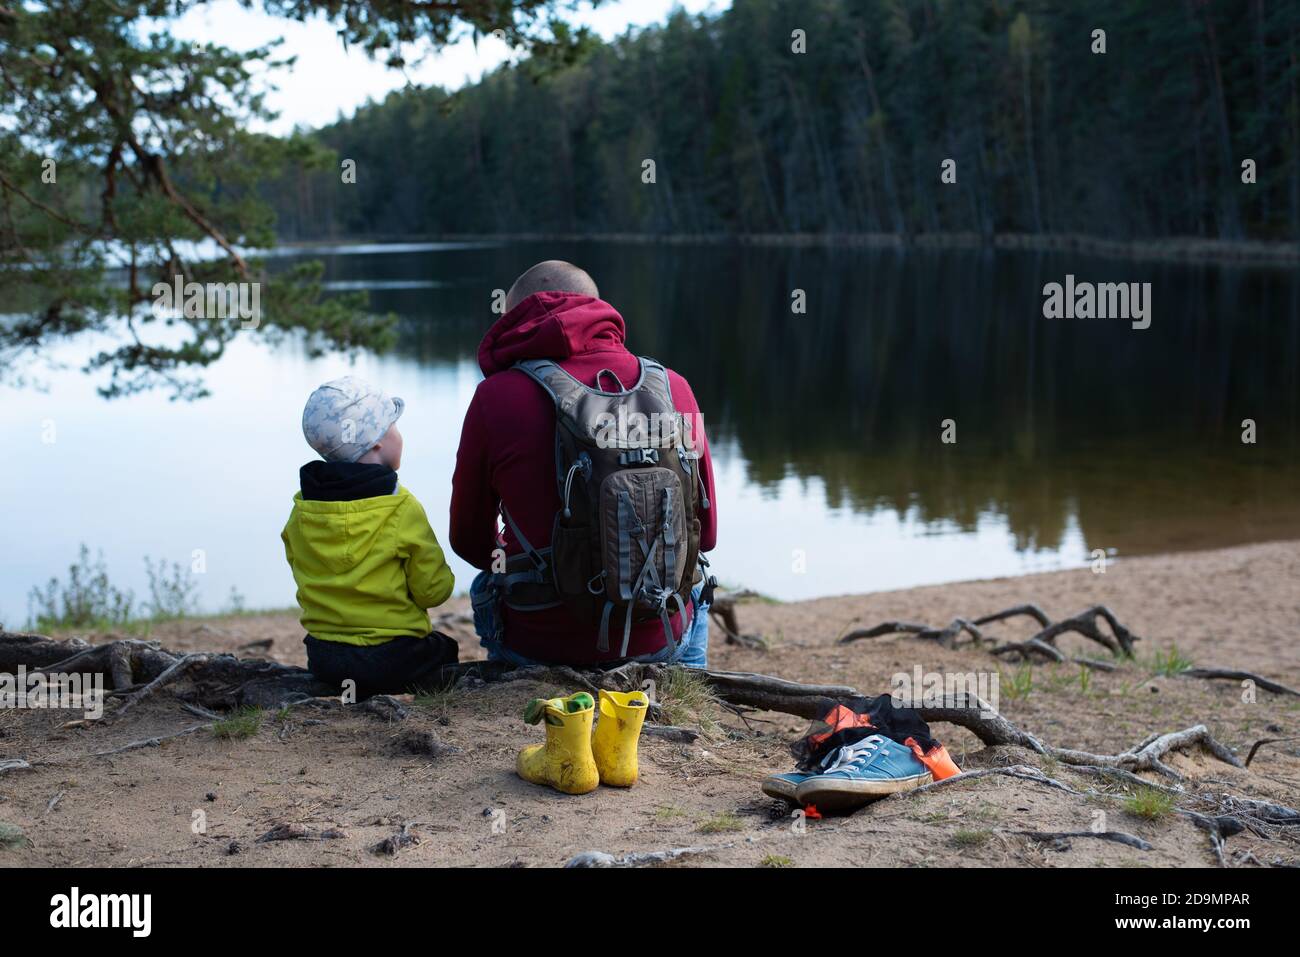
(573, 759)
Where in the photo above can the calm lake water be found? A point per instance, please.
(1072, 434)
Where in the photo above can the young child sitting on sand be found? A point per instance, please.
(365, 560)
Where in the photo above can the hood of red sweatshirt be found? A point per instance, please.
(551, 325)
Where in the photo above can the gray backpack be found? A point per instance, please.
(625, 544)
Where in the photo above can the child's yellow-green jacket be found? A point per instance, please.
(366, 570)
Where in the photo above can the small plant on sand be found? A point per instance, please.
(685, 698)
(721, 823)
(932, 817)
(776, 860)
(12, 837)
(439, 702)
(969, 839)
(235, 604)
(1085, 679)
(88, 600)
(1020, 686)
(243, 723)
(1150, 803)
(668, 812)
(1168, 663)
(173, 593)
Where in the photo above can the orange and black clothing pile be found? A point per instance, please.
(848, 720)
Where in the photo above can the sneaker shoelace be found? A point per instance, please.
(857, 755)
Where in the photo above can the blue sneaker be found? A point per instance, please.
(859, 773)
(783, 786)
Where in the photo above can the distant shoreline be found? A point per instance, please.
(1178, 249)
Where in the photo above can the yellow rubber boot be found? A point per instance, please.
(621, 715)
(564, 762)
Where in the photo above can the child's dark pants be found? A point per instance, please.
(396, 667)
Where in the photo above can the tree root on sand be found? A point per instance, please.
(1118, 641)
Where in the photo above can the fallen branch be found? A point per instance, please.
(1255, 811)
(1263, 741)
(723, 611)
(14, 764)
(1219, 828)
(201, 712)
(985, 723)
(766, 692)
(1147, 755)
(299, 832)
(1060, 840)
(944, 636)
(1096, 664)
(1228, 674)
(169, 674)
(1119, 641)
(1128, 777)
(151, 742)
(1030, 609)
(214, 681)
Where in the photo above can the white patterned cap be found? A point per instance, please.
(344, 418)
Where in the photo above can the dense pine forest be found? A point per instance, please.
(1145, 140)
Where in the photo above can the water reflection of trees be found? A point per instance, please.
(1134, 433)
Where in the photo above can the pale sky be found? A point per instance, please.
(328, 78)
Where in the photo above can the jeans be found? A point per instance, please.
(692, 650)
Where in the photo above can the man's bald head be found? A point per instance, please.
(553, 275)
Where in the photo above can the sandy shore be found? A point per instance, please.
(1233, 608)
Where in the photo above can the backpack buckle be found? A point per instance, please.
(639, 457)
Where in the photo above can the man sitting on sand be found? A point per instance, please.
(621, 582)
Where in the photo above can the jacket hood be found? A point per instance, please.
(551, 325)
(342, 533)
(345, 481)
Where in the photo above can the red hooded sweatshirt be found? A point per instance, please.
(507, 456)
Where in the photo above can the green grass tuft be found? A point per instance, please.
(970, 839)
(722, 823)
(685, 698)
(1168, 663)
(439, 703)
(1020, 686)
(668, 812)
(1150, 804)
(12, 837)
(244, 723)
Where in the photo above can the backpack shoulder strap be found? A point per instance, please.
(548, 374)
(654, 379)
(565, 391)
